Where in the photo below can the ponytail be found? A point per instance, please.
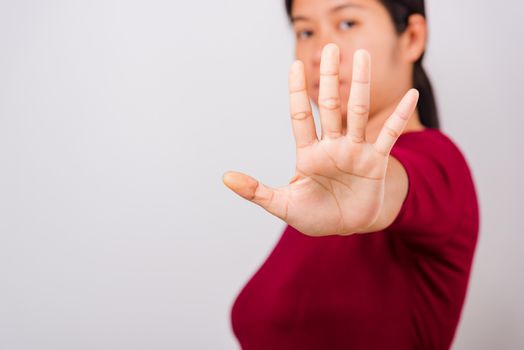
(426, 106)
(400, 10)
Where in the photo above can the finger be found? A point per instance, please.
(358, 103)
(301, 115)
(396, 123)
(273, 200)
(328, 94)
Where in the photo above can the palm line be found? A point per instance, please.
(346, 172)
(334, 196)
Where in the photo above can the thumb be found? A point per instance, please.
(273, 200)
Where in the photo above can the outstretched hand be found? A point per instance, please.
(339, 183)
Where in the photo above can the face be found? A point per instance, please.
(352, 24)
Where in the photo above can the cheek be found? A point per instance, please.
(382, 81)
(304, 54)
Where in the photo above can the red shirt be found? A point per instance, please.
(399, 288)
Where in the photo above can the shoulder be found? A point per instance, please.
(431, 146)
(440, 185)
(427, 139)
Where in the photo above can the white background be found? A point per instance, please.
(117, 121)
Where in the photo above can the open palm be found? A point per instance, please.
(339, 183)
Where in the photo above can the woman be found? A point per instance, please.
(382, 212)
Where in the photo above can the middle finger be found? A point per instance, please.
(328, 94)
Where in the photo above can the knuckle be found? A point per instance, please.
(328, 72)
(359, 109)
(301, 115)
(331, 103)
(357, 134)
(357, 138)
(401, 115)
(391, 132)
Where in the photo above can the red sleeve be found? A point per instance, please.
(439, 180)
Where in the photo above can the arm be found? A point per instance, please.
(340, 183)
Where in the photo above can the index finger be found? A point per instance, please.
(396, 123)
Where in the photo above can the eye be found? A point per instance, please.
(346, 24)
(304, 34)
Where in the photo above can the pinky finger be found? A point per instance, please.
(396, 123)
(275, 201)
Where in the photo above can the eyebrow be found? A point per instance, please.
(334, 9)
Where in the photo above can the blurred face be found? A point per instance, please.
(352, 24)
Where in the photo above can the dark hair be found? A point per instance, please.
(400, 10)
